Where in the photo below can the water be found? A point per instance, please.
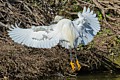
(98, 76)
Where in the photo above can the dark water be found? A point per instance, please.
(98, 76)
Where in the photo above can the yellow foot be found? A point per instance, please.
(78, 65)
(72, 66)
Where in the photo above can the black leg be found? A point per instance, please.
(71, 61)
(77, 62)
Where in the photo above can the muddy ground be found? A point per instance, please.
(21, 62)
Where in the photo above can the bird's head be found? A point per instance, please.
(57, 19)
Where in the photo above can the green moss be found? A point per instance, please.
(117, 40)
(114, 58)
(100, 17)
(105, 31)
(76, 8)
(80, 47)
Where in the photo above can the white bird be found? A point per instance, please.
(65, 32)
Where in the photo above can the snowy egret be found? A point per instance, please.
(65, 32)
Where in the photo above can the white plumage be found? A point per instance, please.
(65, 32)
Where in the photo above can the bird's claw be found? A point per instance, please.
(72, 66)
(78, 64)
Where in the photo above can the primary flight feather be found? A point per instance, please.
(64, 32)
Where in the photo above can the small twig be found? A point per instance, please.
(3, 25)
(103, 12)
(113, 19)
(85, 65)
(100, 7)
(71, 13)
(106, 2)
(26, 6)
(87, 3)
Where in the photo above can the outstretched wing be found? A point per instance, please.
(91, 20)
(88, 26)
(33, 38)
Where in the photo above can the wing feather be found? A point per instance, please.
(28, 37)
(88, 10)
(84, 10)
(92, 20)
(88, 29)
(91, 12)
